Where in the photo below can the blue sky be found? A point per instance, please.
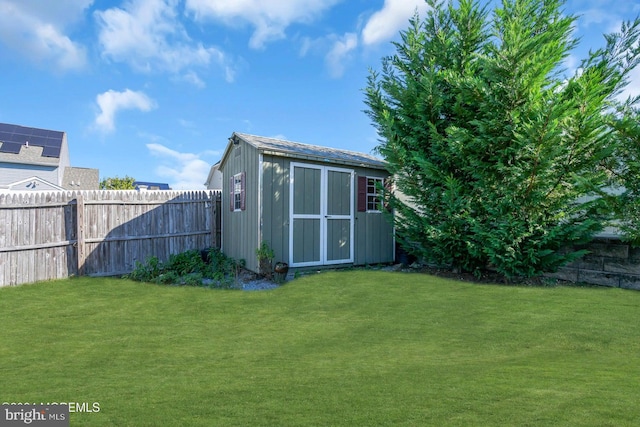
(153, 88)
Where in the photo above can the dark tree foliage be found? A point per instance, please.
(501, 158)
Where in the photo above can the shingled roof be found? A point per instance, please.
(302, 151)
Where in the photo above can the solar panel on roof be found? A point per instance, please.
(49, 151)
(49, 140)
(53, 142)
(19, 137)
(5, 127)
(10, 147)
(23, 131)
(37, 141)
(40, 132)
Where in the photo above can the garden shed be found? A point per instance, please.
(313, 205)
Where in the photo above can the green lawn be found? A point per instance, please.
(353, 348)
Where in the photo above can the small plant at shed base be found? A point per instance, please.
(265, 260)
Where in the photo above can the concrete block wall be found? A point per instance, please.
(610, 262)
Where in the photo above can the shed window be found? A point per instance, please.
(237, 192)
(374, 196)
(370, 198)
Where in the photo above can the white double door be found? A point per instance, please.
(322, 215)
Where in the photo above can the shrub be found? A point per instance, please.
(147, 272)
(186, 263)
(190, 269)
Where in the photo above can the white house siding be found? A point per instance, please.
(13, 172)
(64, 159)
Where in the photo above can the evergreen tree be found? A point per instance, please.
(501, 156)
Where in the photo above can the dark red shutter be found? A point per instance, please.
(242, 191)
(231, 201)
(362, 193)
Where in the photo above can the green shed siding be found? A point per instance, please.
(275, 205)
(240, 228)
(373, 234)
(374, 242)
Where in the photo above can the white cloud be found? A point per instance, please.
(187, 171)
(338, 56)
(307, 44)
(194, 79)
(60, 11)
(36, 29)
(633, 88)
(186, 123)
(110, 102)
(604, 19)
(595, 16)
(269, 18)
(393, 17)
(571, 64)
(598, 17)
(148, 35)
(317, 46)
(383, 25)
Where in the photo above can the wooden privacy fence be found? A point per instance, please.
(56, 235)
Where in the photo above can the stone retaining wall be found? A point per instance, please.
(610, 262)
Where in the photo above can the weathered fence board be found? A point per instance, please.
(55, 235)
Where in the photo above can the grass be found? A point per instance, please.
(341, 348)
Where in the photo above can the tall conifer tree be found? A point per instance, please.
(501, 157)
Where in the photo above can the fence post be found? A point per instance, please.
(82, 256)
(212, 220)
(219, 219)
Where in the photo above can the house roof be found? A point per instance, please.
(80, 178)
(15, 141)
(151, 185)
(215, 168)
(302, 151)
